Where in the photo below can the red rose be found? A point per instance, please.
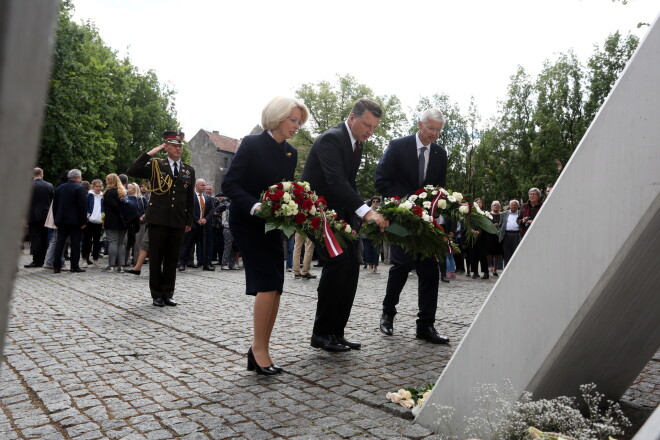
(276, 207)
(300, 218)
(277, 195)
(396, 198)
(307, 204)
(298, 189)
(279, 185)
(298, 200)
(321, 201)
(419, 191)
(316, 223)
(417, 210)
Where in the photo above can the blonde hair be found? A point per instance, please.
(136, 188)
(113, 181)
(279, 108)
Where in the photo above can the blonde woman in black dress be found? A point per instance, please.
(262, 160)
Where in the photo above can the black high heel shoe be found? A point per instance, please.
(252, 365)
(277, 368)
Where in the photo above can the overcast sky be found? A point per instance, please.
(227, 59)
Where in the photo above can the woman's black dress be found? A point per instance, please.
(493, 245)
(259, 163)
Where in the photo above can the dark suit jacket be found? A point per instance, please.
(70, 205)
(208, 208)
(259, 163)
(42, 196)
(397, 173)
(331, 169)
(174, 208)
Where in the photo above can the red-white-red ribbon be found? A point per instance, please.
(434, 204)
(331, 243)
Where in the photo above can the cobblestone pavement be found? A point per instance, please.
(88, 357)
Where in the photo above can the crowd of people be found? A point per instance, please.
(170, 217)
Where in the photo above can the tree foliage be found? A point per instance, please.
(101, 112)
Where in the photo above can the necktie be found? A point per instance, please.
(176, 170)
(357, 153)
(201, 206)
(422, 165)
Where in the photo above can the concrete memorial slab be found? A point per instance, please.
(579, 303)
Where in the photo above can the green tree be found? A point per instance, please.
(329, 104)
(100, 110)
(558, 118)
(604, 68)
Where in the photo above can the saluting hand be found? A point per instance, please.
(156, 149)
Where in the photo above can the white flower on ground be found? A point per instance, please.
(394, 397)
(407, 403)
(405, 395)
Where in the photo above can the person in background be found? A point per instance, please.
(70, 214)
(478, 249)
(92, 233)
(42, 197)
(299, 243)
(509, 231)
(529, 210)
(371, 252)
(493, 246)
(132, 225)
(115, 227)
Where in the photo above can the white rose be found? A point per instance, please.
(458, 196)
(348, 229)
(394, 397)
(312, 211)
(406, 205)
(405, 394)
(426, 395)
(477, 208)
(412, 198)
(444, 191)
(407, 403)
(426, 217)
(463, 209)
(292, 204)
(286, 198)
(306, 186)
(434, 193)
(423, 195)
(286, 186)
(427, 204)
(442, 204)
(452, 199)
(337, 226)
(273, 187)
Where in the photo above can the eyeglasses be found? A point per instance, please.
(295, 121)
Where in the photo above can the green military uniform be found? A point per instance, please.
(170, 210)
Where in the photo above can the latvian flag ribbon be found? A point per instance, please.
(331, 243)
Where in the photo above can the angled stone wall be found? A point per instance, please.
(580, 300)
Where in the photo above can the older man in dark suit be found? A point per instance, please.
(169, 214)
(331, 169)
(42, 196)
(202, 215)
(70, 215)
(408, 164)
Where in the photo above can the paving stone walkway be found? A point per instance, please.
(88, 357)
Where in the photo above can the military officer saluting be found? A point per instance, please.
(169, 214)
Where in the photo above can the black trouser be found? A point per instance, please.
(63, 232)
(509, 244)
(478, 255)
(191, 238)
(218, 244)
(336, 290)
(427, 290)
(164, 249)
(38, 234)
(91, 240)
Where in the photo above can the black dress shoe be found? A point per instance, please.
(158, 302)
(475, 276)
(134, 272)
(484, 276)
(387, 324)
(308, 276)
(169, 302)
(252, 365)
(352, 345)
(182, 268)
(277, 368)
(444, 279)
(77, 269)
(429, 333)
(211, 268)
(194, 266)
(328, 343)
(32, 265)
(495, 274)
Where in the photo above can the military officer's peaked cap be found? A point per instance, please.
(173, 137)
